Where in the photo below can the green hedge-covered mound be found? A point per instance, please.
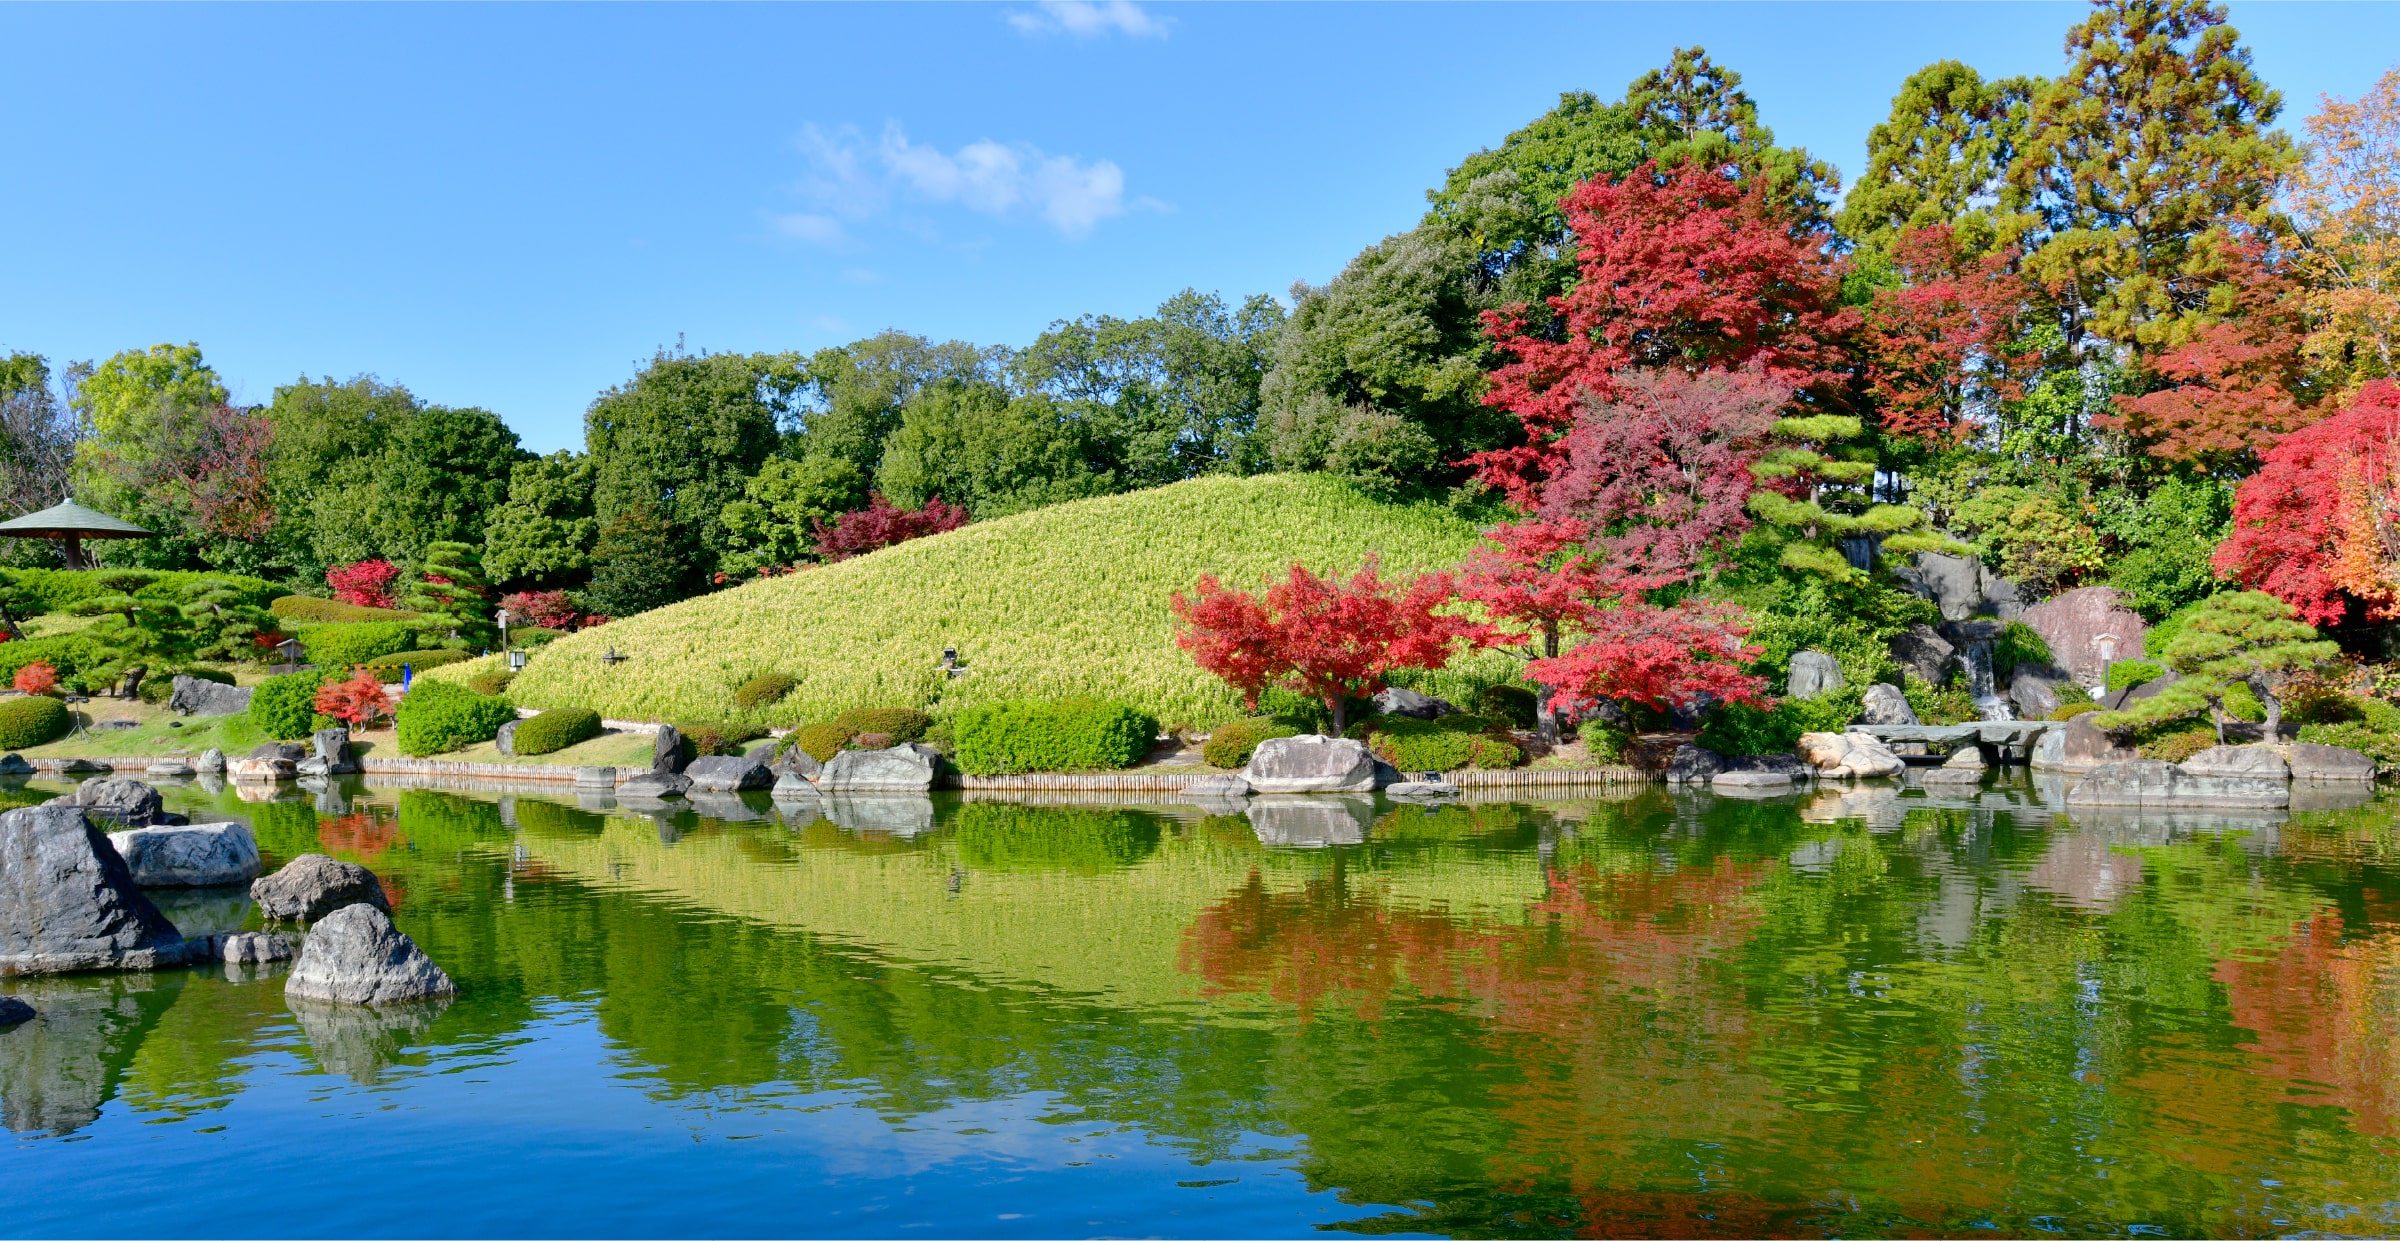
(32, 721)
(1006, 738)
(554, 730)
(436, 716)
(285, 707)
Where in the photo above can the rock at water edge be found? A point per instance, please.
(2148, 782)
(1421, 789)
(2329, 762)
(1693, 764)
(791, 787)
(908, 768)
(14, 764)
(2257, 762)
(2077, 746)
(725, 774)
(356, 956)
(654, 784)
(312, 886)
(1216, 787)
(1849, 755)
(1750, 780)
(262, 770)
(212, 762)
(666, 753)
(124, 801)
(67, 903)
(254, 948)
(207, 856)
(1311, 764)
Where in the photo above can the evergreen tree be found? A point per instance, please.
(2244, 637)
(635, 566)
(1817, 493)
(451, 584)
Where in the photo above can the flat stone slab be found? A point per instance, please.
(1750, 780)
(2329, 762)
(1421, 789)
(1231, 786)
(204, 856)
(1986, 732)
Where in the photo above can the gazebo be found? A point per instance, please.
(71, 524)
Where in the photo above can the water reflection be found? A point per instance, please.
(1852, 1010)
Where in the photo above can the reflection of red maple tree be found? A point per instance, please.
(365, 834)
(2320, 1009)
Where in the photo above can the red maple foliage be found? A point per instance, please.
(860, 531)
(37, 677)
(550, 609)
(1537, 584)
(1659, 657)
(1935, 345)
(2234, 388)
(1659, 470)
(367, 584)
(227, 475)
(2288, 523)
(1322, 637)
(358, 702)
(1687, 269)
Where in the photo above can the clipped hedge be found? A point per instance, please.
(819, 741)
(1007, 738)
(1231, 744)
(435, 716)
(351, 644)
(285, 707)
(901, 724)
(491, 684)
(32, 721)
(308, 610)
(40, 591)
(387, 668)
(70, 653)
(1511, 704)
(706, 738)
(1446, 744)
(555, 729)
(763, 691)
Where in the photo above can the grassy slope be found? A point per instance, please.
(1061, 601)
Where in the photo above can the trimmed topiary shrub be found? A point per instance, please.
(298, 610)
(285, 707)
(1006, 738)
(2069, 710)
(819, 741)
(707, 738)
(491, 684)
(1231, 744)
(1446, 744)
(2127, 673)
(2179, 745)
(764, 690)
(347, 645)
(1513, 705)
(435, 716)
(27, 722)
(555, 729)
(901, 724)
(388, 668)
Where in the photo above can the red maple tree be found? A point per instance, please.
(2235, 386)
(37, 677)
(879, 524)
(367, 584)
(358, 702)
(2289, 519)
(550, 609)
(1323, 637)
(1688, 269)
(1659, 657)
(1537, 584)
(1937, 344)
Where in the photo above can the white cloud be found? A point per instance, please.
(849, 180)
(1087, 19)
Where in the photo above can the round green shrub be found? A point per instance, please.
(435, 716)
(1445, 744)
(901, 724)
(491, 684)
(1230, 745)
(555, 729)
(764, 690)
(33, 720)
(300, 610)
(2069, 710)
(819, 741)
(707, 738)
(347, 644)
(285, 707)
(1606, 742)
(1512, 704)
(1006, 738)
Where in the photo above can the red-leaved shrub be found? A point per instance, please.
(37, 677)
(860, 531)
(550, 609)
(358, 702)
(367, 584)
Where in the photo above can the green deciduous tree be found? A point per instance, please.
(542, 534)
(636, 565)
(853, 394)
(2245, 637)
(1174, 395)
(972, 445)
(774, 522)
(1943, 157)
(363, 470)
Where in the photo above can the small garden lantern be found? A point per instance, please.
(516, 661)
(612, 659)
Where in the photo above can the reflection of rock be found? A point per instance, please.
(55, 1071)
(1877, 805)
(202, 912)
(67, 903)
(2083, 870)
(1304, 821)
(595, 801)
(653, 785)
(360, 1043)
(313, 885)
(208, 855)
(14, 1011)
(899, 814)
(332, 799)
(2331, 794)
(1311, 764)
(724, 807)
(799, 812)
(356, 956)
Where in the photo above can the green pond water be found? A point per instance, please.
(1866, 1013)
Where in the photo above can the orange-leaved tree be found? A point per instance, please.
(1321, 636)
(358, 702)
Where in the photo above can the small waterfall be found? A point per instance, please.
(1990, 703)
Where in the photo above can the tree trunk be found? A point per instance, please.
(2216, 715)
(2274, 706)
(1544, 715)
(1333, 705)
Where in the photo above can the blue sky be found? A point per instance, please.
(513, 205)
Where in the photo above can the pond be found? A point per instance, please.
(1865, 1012)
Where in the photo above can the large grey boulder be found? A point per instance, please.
(14, 764)
(1923, 653)
(1394, 700)
(196, 696)
(653, 784)
(211, 762)
(1421, 790)
(206, 855)
(14, 1011)
(727, 774)
(1693, 764)
(666, 753)
(312, 885)
(356, 956)
(1813, 673)
(1849, 756)
(2087, 629)
(68, 904)
(2329, 762)
(1294, 821)
(793, 787)
(2035, 695)
(2248, 762)
(794, 761)
(1311, 764)
(908, 768)
(505, 740)
(1885, 704)
(119, 799)
(331, 746)
(2148, 782)
(2077, 746)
